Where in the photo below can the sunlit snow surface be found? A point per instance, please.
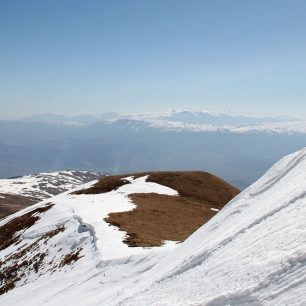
(46, 184)
(253, 252)
(106, 262)
(92, 209)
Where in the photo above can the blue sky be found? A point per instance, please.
(75, 57)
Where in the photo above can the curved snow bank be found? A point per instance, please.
(252, 253)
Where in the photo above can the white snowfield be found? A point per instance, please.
(45, 185)
(253, 252)
(107, 263)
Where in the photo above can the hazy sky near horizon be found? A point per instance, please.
(75, 57)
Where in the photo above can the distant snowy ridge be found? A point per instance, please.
(45, 185)
(204, 113)
(290, 127)
(185, 120)
(207, 121)
(284, 127)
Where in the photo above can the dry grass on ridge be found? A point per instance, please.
(160, 217)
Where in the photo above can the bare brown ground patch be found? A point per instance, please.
(160, 217)
(196, 184)
(105, 184)
(10, 203)
(70, 258)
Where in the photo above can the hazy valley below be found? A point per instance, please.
(177, 140)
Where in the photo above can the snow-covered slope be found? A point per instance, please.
(62, 244)
(45, 185)
(253, 252)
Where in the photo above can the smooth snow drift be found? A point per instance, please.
(253, 252)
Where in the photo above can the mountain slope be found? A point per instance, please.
(17, 193)
(68, 237)
(252, 252)
(160, 217)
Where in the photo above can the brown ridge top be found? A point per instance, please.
(156, 217)
(105, 184)
(198, 185)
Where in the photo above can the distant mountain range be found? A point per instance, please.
(239, 148)
(187, 120)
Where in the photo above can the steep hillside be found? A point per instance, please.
(64, 252)
(76, 234)
(160, 217)
(20, 192)
(252, 253)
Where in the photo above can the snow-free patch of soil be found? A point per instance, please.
(106, 184)
(10, 203)
(160, 217)
(198, 185)
(157, 217)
